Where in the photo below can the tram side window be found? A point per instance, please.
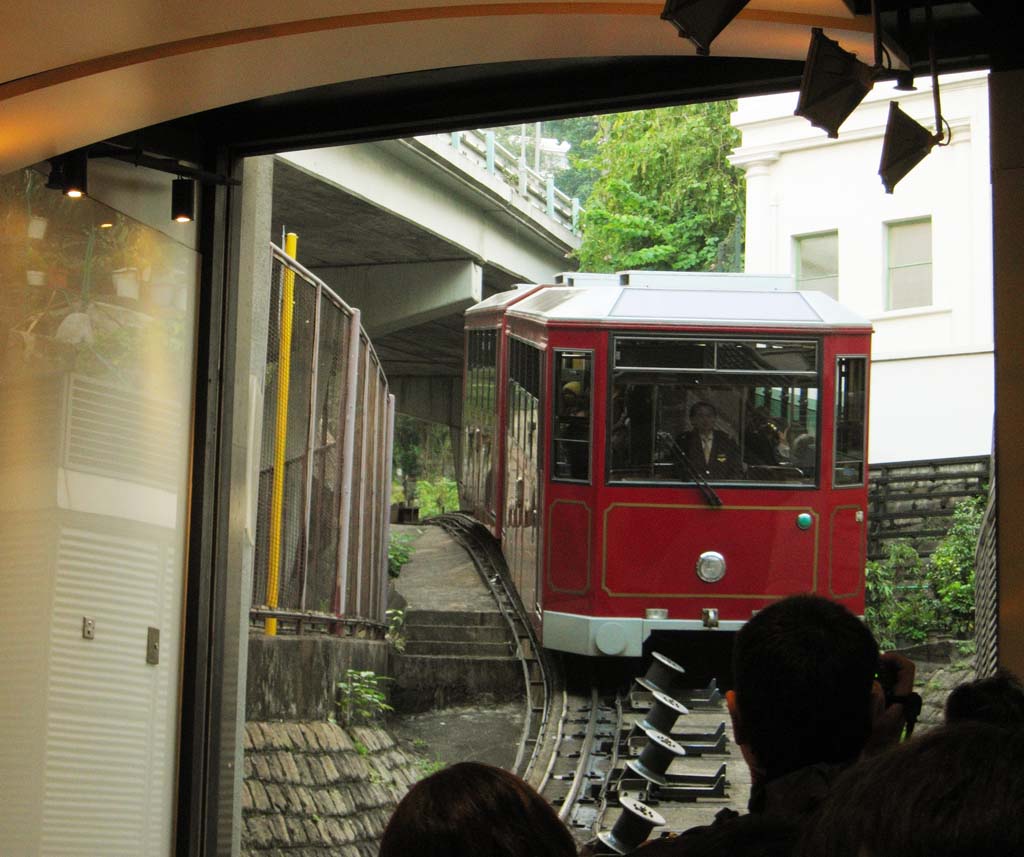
(686, 410)
(571, 431)
(851, 399)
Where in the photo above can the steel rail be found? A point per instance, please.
(491, 566)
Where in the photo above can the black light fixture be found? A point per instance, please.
(833, 84)
(701, 21)
(906, 142)
(183, 196)
(70, 174)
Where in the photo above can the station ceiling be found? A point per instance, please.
(256, 75)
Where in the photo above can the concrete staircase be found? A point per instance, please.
(455, 657)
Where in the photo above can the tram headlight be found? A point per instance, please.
(711, 567)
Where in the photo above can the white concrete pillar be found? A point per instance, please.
(760, 253)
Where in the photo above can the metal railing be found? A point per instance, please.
(325, 464)
(538, 190)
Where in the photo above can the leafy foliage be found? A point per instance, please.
(951, 569)
(360, 697)
(396, 629)
(907, 599)
(897, 606)
(667, 197)
(438, 497)
(399, 553)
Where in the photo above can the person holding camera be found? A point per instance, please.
(806, 704)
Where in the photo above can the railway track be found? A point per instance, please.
(616, 763)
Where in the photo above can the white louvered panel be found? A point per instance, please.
(110, 750)
(26, 574)
(116, 432)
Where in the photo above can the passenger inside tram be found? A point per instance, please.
(666, 390)
(666, 432)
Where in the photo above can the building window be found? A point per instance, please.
(910, 264)
(817, 263)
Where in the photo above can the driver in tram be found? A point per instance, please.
(708, 450)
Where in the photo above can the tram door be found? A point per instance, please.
(522, 502)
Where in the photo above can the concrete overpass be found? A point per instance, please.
(413, 231)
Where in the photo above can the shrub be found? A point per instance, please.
(951, 568)
(399, 553)
(360, 697)
(898, 604)
(396, 629)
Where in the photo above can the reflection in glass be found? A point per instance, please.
(96, 374)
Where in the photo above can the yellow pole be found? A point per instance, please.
(284, 365)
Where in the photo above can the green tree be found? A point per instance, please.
(667, 197)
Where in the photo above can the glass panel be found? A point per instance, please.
(818, 256)
(851, 398)
(746, 428)
(664, 353)
(571, 436)
(910, 287)
(910, 243)
(768, 356)
(97, 317)
(910, 268)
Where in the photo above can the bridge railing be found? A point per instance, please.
(538, 190)
(325, 465)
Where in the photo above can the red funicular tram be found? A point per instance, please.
(667, 452)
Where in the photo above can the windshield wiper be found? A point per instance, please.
(705, 487)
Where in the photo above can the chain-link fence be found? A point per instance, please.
(325, 462)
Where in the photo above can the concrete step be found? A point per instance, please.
(458, 633)
(454, 617)
(457, 649)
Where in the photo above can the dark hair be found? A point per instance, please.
(471, 809)
(953, 792)
(998, 699)
(803, 670)
(702, 404)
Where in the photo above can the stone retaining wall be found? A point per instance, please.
(314, 789)
(914, 500)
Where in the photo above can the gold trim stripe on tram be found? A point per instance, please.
(718, 510)
(244, 35)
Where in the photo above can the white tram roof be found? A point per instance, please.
(731, 307)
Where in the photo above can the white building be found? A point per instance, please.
(918, 262)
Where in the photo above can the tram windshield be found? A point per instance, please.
(686, 409)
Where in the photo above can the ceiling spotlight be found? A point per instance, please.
(70, 173)
(833, 84)
(701, 21)
(906, 142)
(183, 195)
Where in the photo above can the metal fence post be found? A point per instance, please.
(457, 141)
(549, 186)
(489, 140)
(310, 447)
(389, 449)
(347, 469)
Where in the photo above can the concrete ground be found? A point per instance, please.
(441, 576)
(469, 733)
